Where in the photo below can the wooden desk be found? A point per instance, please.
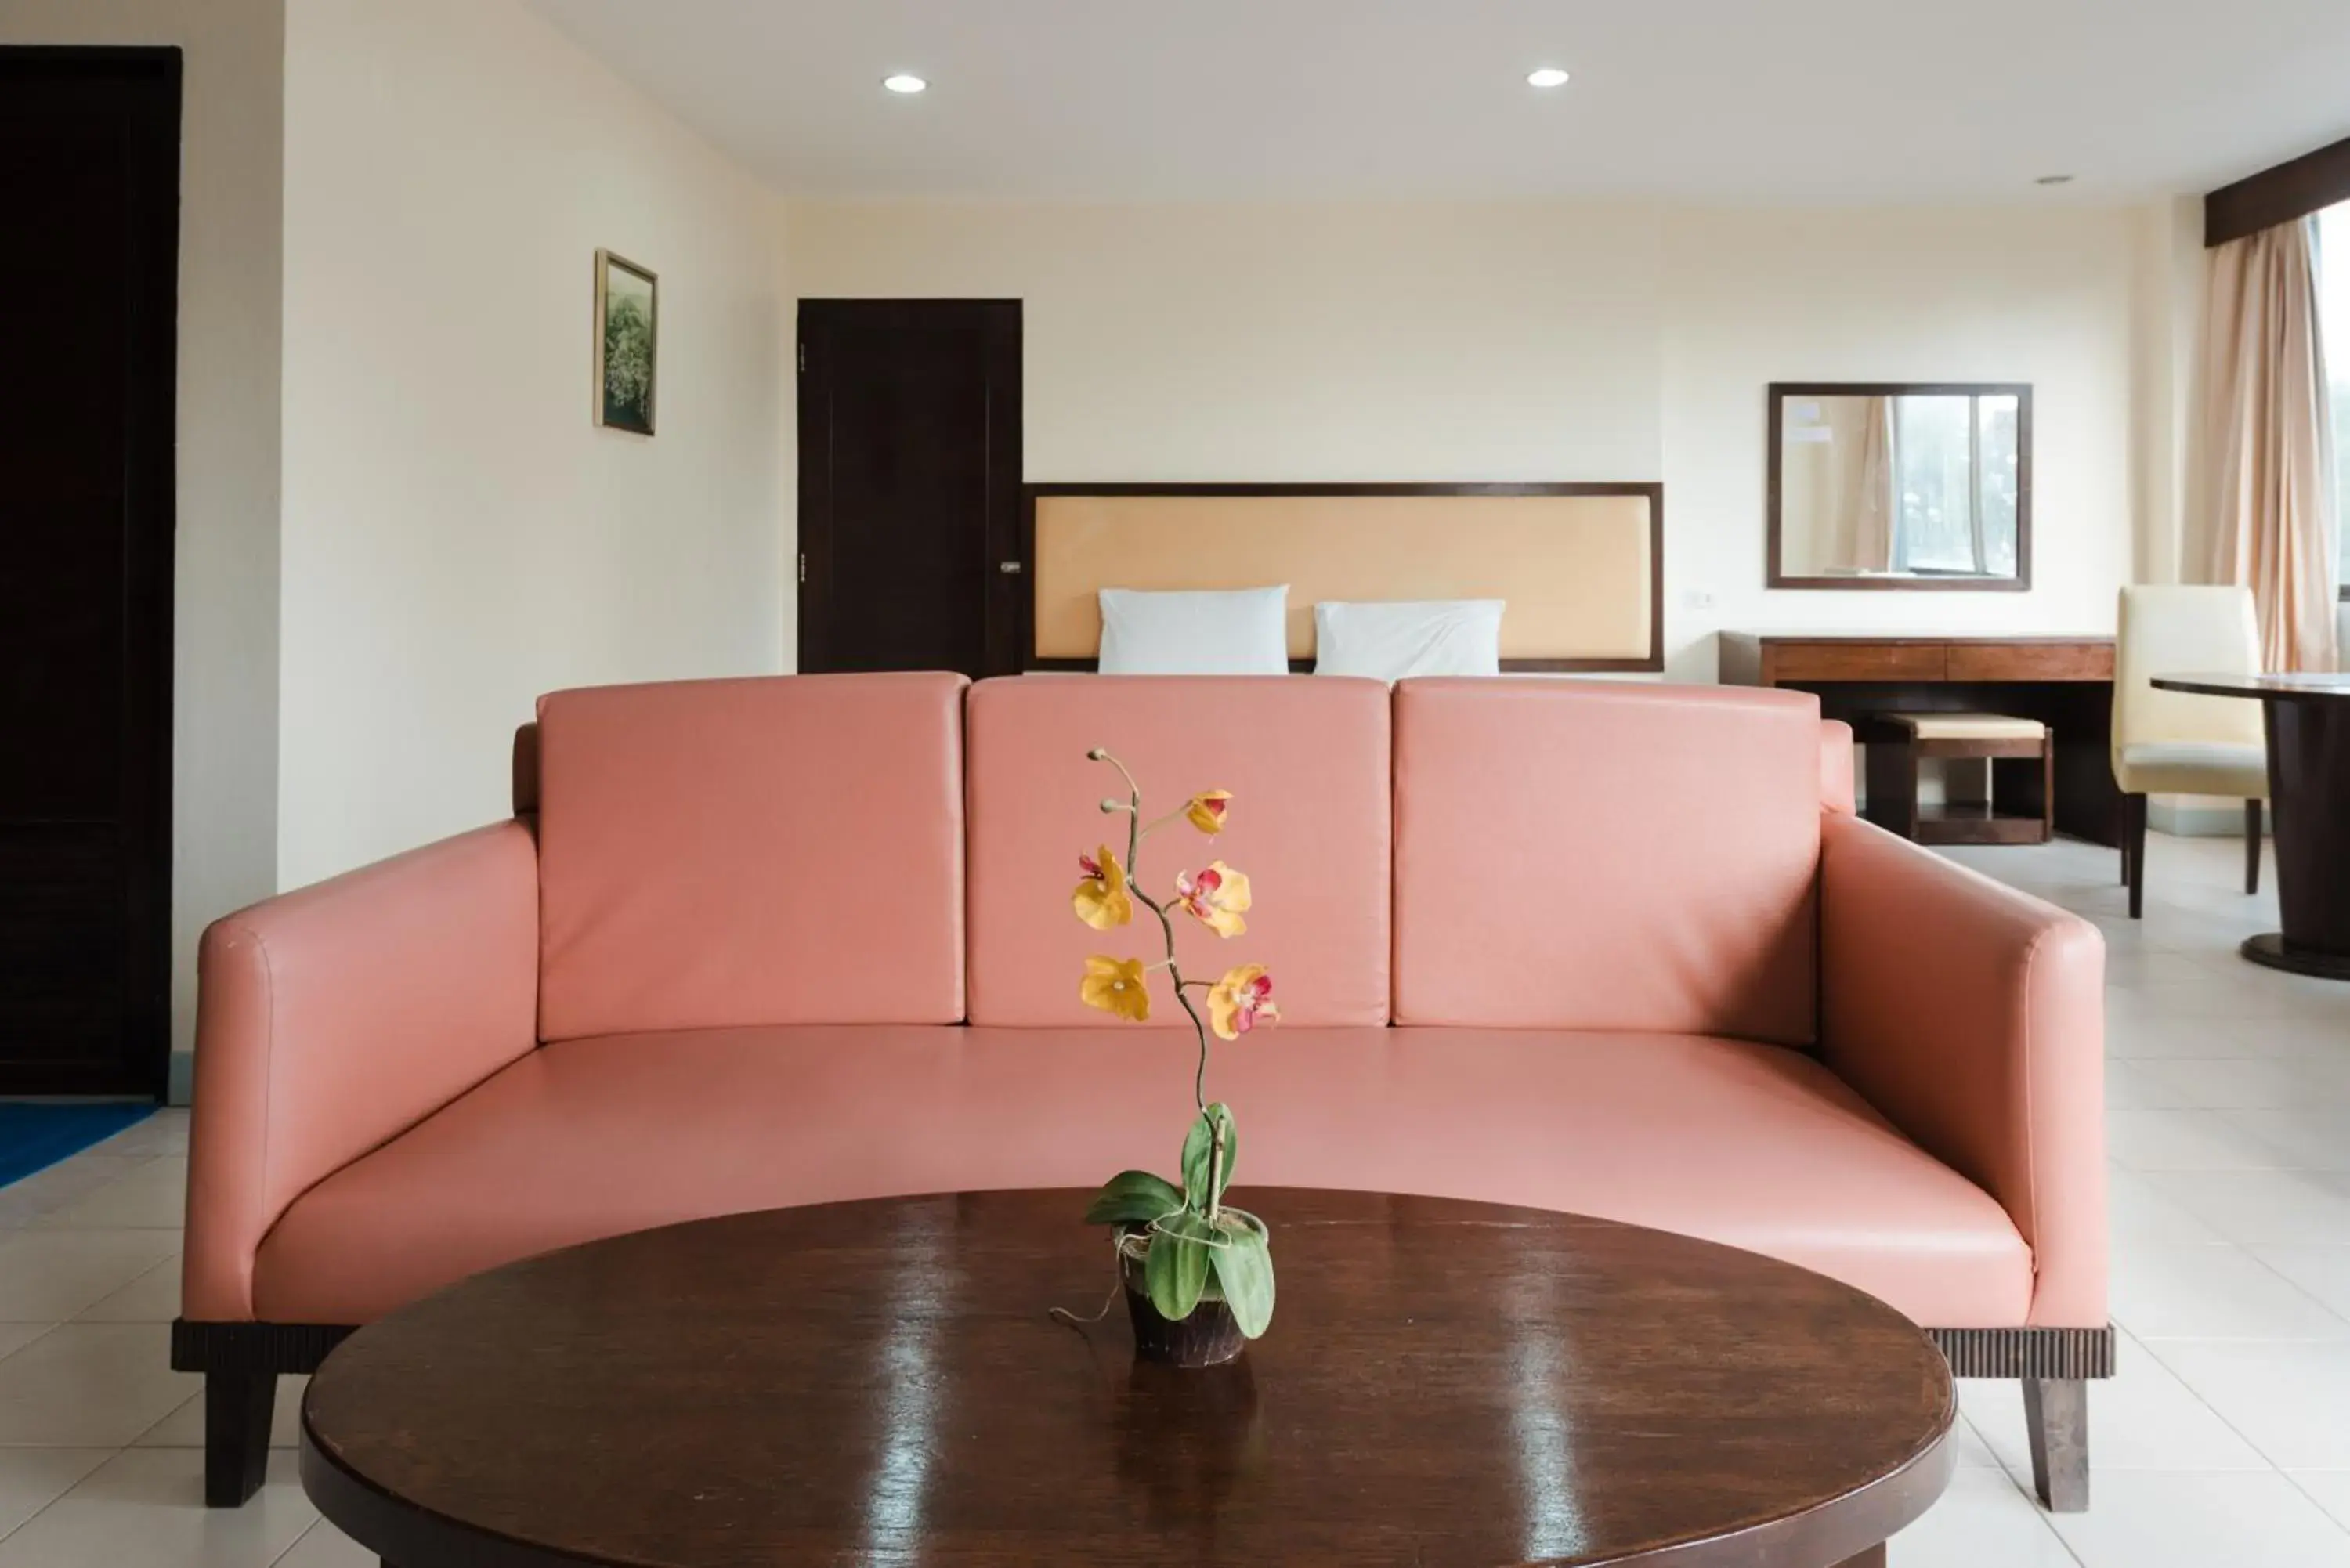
(2065, 682)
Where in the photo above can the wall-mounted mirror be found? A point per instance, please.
(1900, 485)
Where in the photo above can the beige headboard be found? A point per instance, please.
(1581, 566)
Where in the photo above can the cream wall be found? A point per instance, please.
(1292, 342)
(2167, 328)
(1547, 341)
(458, 536)
(1996, 294)
(224, 629)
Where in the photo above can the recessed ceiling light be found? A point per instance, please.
(1548, 77)
(904, 82)
(2054, 180)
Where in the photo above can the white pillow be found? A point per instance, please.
(1392, 641)
(1245, 632)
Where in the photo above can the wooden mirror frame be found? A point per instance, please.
(1780, 392)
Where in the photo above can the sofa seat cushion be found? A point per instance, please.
(1752, 1145)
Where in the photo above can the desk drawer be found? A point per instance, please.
(1858, 661)
(2032, 661)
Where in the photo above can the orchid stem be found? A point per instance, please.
(1166, 930)
(1134, 832)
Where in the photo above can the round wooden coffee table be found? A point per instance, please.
(1445, 1383)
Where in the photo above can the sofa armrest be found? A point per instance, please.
(331, 1018)
(1972, 1016)
(1836, 785)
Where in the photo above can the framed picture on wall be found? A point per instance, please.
(627, 343)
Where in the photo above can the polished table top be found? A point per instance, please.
(2303, 688)
(1444, 1383)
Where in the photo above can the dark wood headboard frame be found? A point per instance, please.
(1654, 662)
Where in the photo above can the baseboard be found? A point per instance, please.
(2195, 816)
(1933, 778)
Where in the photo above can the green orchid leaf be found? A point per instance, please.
(1199, 1145)
(1133, 1198)
(1175, 1274)
(1243, 1266)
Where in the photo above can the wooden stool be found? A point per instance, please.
(2019, 807)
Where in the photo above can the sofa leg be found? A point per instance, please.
(237, 1434)
(2056, 1416)
(2251, 847)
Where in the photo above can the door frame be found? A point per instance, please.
(1007, 589)
(149, 80)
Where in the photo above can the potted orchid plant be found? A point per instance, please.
(1198, 1272)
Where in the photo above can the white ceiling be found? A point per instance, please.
(1750, 100)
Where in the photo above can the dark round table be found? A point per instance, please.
(2307, 718)
(1444, 1383)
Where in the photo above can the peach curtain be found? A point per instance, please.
(1874, 529)
(2270, 442)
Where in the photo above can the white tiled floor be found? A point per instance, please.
(2224, 1441)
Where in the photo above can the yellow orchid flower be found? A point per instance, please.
(1216, 898)
(1240, 1000)
(1115, 985)
(1206, 810)
(1100, 900)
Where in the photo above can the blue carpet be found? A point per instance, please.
(33, 1136)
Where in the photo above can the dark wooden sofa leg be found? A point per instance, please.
(2251, 847)
(2057, 1415)
(240, 1363)
(237, 1434)
(2056, 1365)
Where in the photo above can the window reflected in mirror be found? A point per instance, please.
(1900, 486)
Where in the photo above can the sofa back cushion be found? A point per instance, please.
(1575, 854)
(1306, 760)
(781, 850)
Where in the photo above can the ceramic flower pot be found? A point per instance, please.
(1210, 1336)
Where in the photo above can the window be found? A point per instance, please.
(1954, 484)
(2333, 319)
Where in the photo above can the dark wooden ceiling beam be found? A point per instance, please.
(2295, 189)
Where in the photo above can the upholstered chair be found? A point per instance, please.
(2172, 743)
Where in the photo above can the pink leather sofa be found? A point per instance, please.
(1616, 949)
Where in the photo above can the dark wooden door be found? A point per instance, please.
(909, 484)
(90, 164)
